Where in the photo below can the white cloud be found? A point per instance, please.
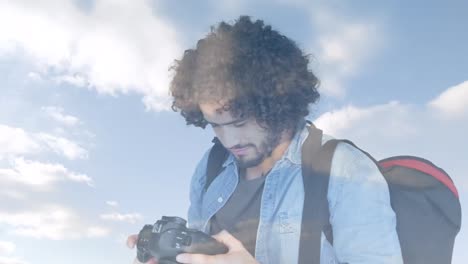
(345, 47)
(40, 175)
(16, 141)
(8, 260)
(34, 76)
(11, 193)
(452, 103)
(342, 48)
(342, 45)
(156, 102)
(112, 203)
(115, 47)
(76, 80)
(130, 218)
(392, 114)
(399, 129)
(63, 146)
(50, 222)
(342, 52)
(57, 113)
(6, 247)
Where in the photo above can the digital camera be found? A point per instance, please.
(169, 237)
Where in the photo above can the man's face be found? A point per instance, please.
(244, 138)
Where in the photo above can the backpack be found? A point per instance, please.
(423, 197)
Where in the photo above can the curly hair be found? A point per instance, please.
(256, 70)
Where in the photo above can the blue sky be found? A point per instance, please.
(90, 152)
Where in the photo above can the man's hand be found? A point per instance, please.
(237, 253)
(131, 242)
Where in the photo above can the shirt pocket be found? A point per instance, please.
(288, 234)
(285, 224)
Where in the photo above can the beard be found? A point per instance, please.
(261, 152)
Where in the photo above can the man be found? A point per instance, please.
(252, 85)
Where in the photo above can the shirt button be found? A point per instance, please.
(220, 199)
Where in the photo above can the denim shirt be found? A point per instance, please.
(363, 222)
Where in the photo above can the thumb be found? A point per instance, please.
(229, 240)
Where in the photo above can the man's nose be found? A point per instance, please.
(228, 137)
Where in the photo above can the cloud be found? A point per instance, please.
(11, 193)
(379, 118)
(34, 76)
(115, 47)
(6, 247)
(7, 260)
(130, 218)
(403, 129)
(342, 44)
(16, 141)
(452, 103)
(50, 222)
(76, 80)
(63, 146)
(57, 114)
(112, 203)
(342, 51)
(40, 175)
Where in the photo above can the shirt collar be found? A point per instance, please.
(229, 160)
(293, 152)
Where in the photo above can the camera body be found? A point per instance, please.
(169, 237)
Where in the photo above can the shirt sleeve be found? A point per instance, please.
(363, 221)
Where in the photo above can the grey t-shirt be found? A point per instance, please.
(239, 216)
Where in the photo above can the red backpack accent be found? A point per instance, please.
(421, 165)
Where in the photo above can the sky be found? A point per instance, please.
(90, 150)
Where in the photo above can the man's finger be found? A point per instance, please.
(132, 240)
(229, 240)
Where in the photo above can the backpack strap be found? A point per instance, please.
(216, 158)
(316, 165)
